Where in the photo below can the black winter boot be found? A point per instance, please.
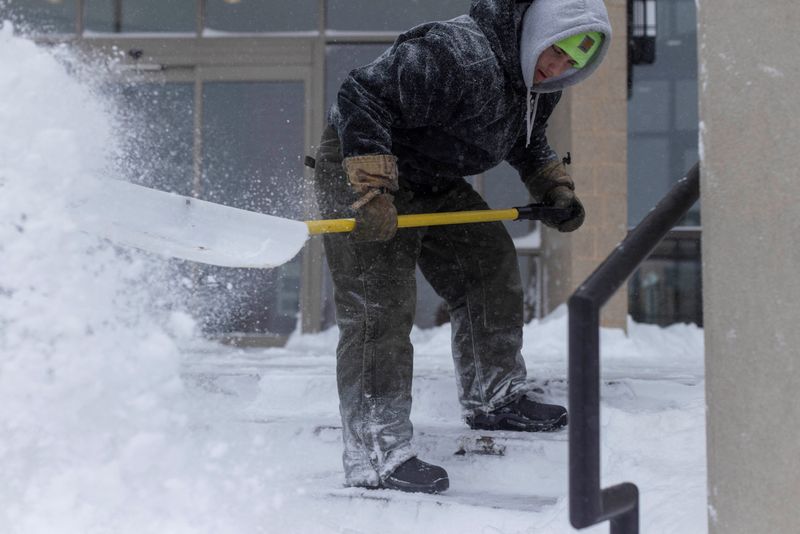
(414, 475)
(523, 415)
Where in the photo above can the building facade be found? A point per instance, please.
(223, 99)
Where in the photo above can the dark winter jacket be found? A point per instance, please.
(448, 99)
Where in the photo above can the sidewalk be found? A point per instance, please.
(274, 415)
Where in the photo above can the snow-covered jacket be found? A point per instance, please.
(448, 98)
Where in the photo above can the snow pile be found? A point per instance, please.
(93, 431)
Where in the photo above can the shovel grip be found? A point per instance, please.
(417, 220)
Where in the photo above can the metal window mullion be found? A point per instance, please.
(197, 155)
(80, 9)
(311, 282)
(200, 18)
(117, 17)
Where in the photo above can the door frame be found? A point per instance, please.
(198, 60)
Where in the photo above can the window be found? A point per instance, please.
(159, 138)
(252, 159)
(252, 140)
(41, 16)
(669, 284)
(662, 147)
(367, 15)
(662, 112)
(141, 16)
(260, 15)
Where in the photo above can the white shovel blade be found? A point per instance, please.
(187, 228)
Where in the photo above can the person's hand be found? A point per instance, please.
(563, 197)
(376, 220)
(552, 186)
(374, 178)
(545, 179)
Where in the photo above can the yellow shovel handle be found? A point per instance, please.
(331, 226)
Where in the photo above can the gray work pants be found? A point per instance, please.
(473, 267)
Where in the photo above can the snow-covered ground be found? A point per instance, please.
(278, 409)
(116, 417)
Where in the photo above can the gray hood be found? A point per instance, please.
(548, 21)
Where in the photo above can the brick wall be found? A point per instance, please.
(590, 122)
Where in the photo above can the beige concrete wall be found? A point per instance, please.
(591, 123)
(750, 187)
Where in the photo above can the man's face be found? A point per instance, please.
(551, 63)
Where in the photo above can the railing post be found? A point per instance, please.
(588, 503)
(584, 407)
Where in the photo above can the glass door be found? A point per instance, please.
(252, 158)
(235, 136)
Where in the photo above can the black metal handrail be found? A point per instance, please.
(588, 502)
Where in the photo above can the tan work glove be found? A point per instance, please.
(552, 186)
(563, 197)
(375, 179)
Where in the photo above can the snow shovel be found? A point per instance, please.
(196, 230)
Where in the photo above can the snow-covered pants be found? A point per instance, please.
(472, 266)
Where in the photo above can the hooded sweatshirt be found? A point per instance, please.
(449, 98)
(545, 23)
